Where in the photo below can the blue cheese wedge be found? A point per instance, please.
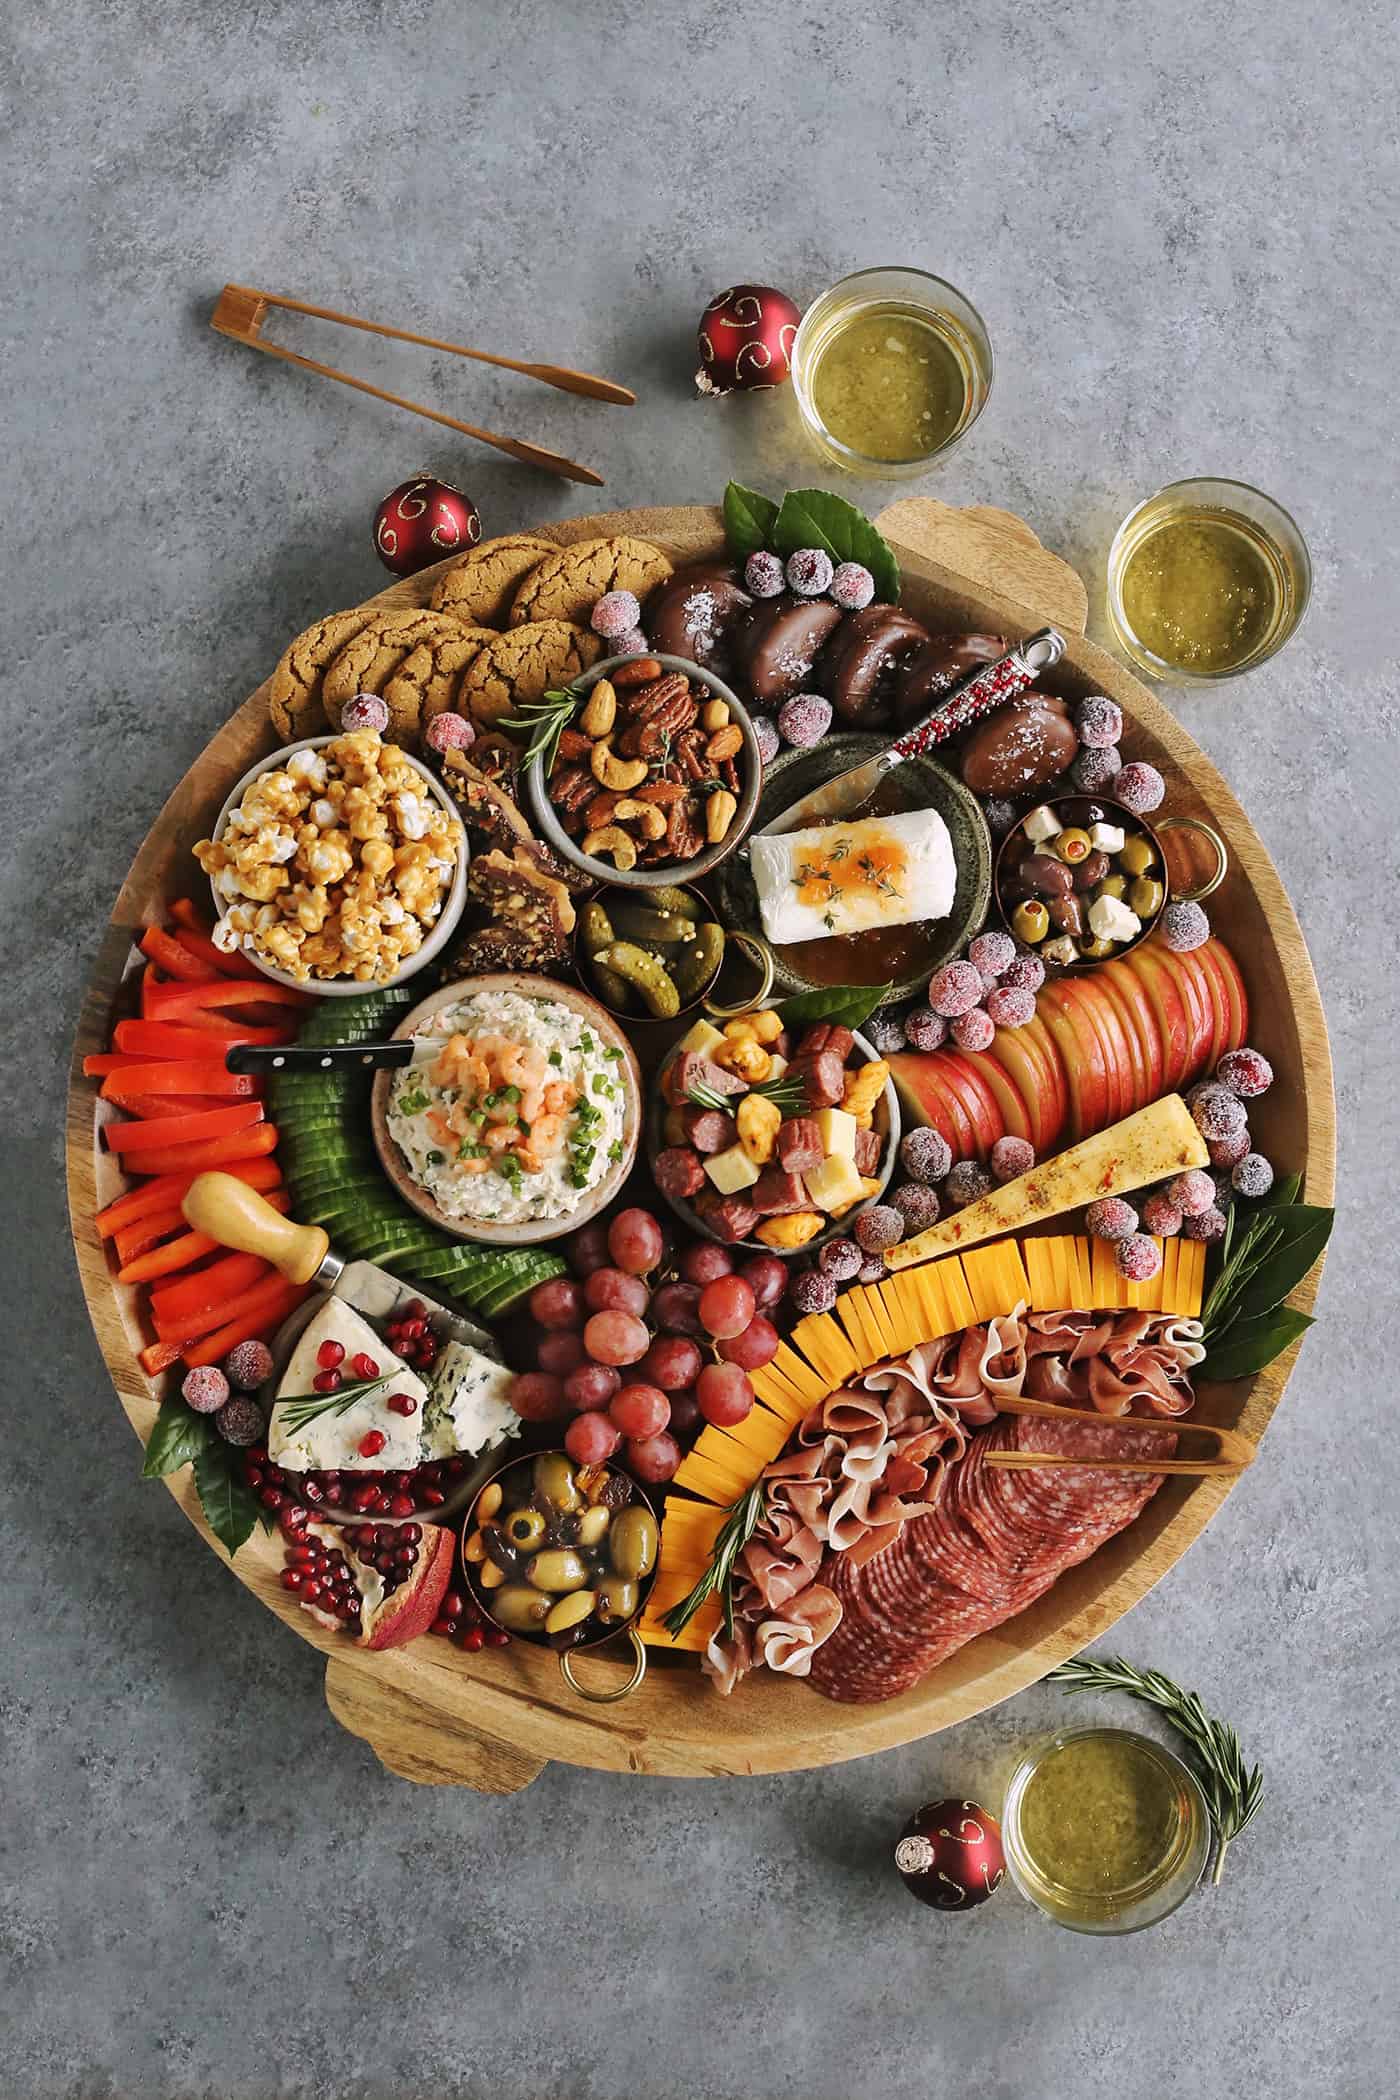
(330, 1441)
(468, 1406)
(851, 878)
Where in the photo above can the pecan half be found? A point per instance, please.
(570, 787)
(575, 746)
(640, 670)
(599, 812)
(665, 793)
(646, 740)
(646, 701)
(690, 751)
(684, 833)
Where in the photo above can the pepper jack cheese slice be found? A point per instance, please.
(331, 1441)
(1153, 1145)
(848, 878)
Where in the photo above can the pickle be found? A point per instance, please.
(698, 962)
(648, 973)
(596, 927)
(678, 901)
(638, 922)
(611, 989)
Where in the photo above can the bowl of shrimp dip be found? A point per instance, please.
(520, 1115)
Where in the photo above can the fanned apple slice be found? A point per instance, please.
(1015, 1115)
(1170, 1012)
(976, 1096)
(1118, 985)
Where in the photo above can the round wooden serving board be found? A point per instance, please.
(491, 1721)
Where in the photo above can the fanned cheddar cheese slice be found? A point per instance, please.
(1080, 1275)
(776, 1393)
(1152, 1145)
(1040, 1270)
(900, 1317)
(799, 1375)
(1107, 1284)
(876, 1320)
(959, 1298)
(826, 1348)
(1191, 1278)
(995, 1278)
(760, 1437)
(714, 1477)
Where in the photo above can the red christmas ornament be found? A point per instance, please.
(746, 337)
(949, 1854)
(423, 521)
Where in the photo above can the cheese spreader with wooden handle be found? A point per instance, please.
(228, 1211)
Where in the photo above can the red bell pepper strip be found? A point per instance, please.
(147, 1232)
(126, 1095)
(190, 1160)
(175, 1039)
(139, 1137)
(203, 950)
(266, 1307)
(177, 1254)
(167, 954)
(168, 1189)
(157, 1357)
(185, 912)
(180, 1075)
(177, 1002)
(150, 980)
(183, 1311)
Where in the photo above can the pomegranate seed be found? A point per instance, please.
(401, 1404)
(441, 1626)
(293, 1578)
(294, 1519)
(411, 1534)
(498, 1637)
(372, 1443)
(313, 1491)
(276, 1476)
(270, 1498)
(382, 1503)
(363, 1366)
(331, 1355)
(364, 1498)
(456, 1467)
(453, 1605)
(405, 1556)
(473, 1640)
(310, 1591)
(253, 1475)
(434, 1497)
(402, 1505)
(326, 1381)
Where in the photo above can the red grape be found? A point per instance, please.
(654, 1458)
(557, 1304)
(591, 1440)
(724, 1393)
(756, 1346)
(726, 1306)
(613, 1290)
(591, 1385)
(640, 1411)
(538, 1396)
(767, 1278)
(672, 1362)
(560, 1353)
(634, 1241)
(703, 1261)
(616, 1338)
(685, 1416)
(588, 1249)
(675, 1309)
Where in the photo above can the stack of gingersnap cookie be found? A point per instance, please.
(504, 625)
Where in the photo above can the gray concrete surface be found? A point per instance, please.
(1181, 229)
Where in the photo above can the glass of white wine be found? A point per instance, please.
(1206, 579)
(890, 368)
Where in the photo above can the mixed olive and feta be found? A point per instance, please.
(1079, 881)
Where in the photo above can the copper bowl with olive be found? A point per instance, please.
(1080, 879)
(563, 1555)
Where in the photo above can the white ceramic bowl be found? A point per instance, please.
(452, 903)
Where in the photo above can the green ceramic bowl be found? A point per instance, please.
(795, 773)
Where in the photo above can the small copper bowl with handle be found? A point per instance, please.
(563, 1556)
(1081, 812)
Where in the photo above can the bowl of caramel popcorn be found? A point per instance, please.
(337, 864)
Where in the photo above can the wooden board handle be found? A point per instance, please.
(992, 548)
(236, 1216)
(427, 1743)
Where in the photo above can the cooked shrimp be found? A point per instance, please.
(531, 1102)
(559, 1095)
(499, 1137)
(440, 1127)
(523, 1065)
(547, 1136)
(472, 1166)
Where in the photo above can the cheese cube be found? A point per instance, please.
(1111, 920)
(837, 1130)
(1042, 824)
(776, 1065)
(704, 1039)
(1060, 950)
(1106, 838)
(731, 1171)
(835, 1182)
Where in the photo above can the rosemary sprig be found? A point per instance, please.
(1233, 1789)
(734, 1534)
(702, 1096)
(301, 1408)
(543, 721)
(787, 1095)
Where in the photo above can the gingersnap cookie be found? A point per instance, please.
(370, 659)
(294, 702)
(569, 583)
(522, 664)
(426, 682)
(481, 585)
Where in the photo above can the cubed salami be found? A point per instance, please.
(731, 1218)
(690, 1069)
(823, 1074)
(777, 1191)
(826, 1035)
(708, 1129)
(679, 1173)
(869, 1146)
(800, 1144)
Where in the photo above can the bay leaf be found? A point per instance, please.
(229, 1505)
(178, 1436)
(1249, 1345)
(748, 519)
(846, 1005)
(816, 518)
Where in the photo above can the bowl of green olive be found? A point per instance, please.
(563, 1555)
(1081, 879)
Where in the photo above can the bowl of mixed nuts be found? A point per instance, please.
(642, 773)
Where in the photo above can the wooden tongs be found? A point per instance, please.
(1233, 1452)
(240, 314)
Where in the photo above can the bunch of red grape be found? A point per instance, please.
(640, 1354)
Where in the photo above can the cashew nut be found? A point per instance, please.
(601, 712)
(614, 840)
(715, 715)
(612, 772)
(719, 815)
(649, 820)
